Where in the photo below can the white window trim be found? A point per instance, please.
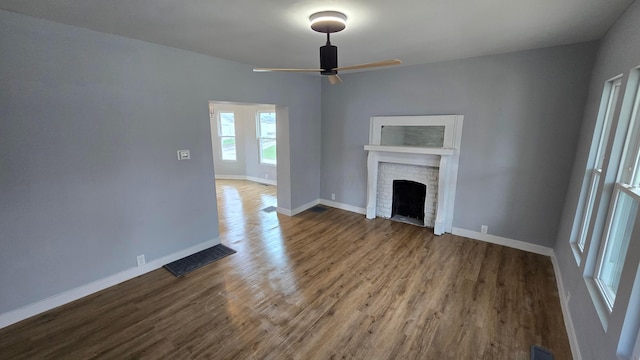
(626, 125)
(629, 173)
(635, 195)
(583, 220)
(222, 137)
(260, 138)
(623, 184)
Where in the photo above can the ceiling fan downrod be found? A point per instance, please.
(328, 58)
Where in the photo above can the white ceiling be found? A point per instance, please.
(276, 33)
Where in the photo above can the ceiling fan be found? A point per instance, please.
(330, 22)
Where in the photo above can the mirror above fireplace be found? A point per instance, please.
(420, 136)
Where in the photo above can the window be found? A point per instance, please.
(617, 237)
(227, 135)
(594, 170)
(267, 137)
(622, 211)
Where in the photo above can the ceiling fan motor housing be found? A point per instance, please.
(328, 59)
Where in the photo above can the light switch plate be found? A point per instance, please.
(184, 155)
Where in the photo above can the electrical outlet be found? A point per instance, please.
(266, 176)
(333, 196)
(484, 229)
(141, 260)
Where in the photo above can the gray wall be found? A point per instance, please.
(247, 153)
(89, 128)
(618, 53)
(522, 114)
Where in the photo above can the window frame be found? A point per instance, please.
(629, 172)
(605, 293)
(222, 137)
(261, 139)
(584, 217)
(622, 144)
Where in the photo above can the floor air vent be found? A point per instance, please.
(538, 353)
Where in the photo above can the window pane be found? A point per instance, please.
(588, 209)
(616, 244)
(267, 125)
(608, 120)
(228, 145)
(227, 124)
(268, 151)
(633, 166)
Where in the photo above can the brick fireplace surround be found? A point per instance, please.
(388, 172)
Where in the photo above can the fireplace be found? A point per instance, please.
(408, 201)
(389, 173)
(420, 152)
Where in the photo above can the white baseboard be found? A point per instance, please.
(330, 203)
(68, 296)
(568, 322)
(304, 207)
(342, 206)
(249, 178)
(297, 210)
(516, 244)
(262, 181)
(230, 177)
(284, 211)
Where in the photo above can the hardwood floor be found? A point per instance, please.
(314, 286)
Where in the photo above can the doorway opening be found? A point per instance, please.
(245, 139)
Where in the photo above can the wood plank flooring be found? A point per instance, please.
(315, 286)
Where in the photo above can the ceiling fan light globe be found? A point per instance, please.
(328, 21)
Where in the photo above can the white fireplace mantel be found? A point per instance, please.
(409, 150)
(445, 159)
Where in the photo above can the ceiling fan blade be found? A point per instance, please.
(334, 79)
(285, 70)
(370, 65)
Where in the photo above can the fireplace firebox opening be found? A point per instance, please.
(408, 201)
